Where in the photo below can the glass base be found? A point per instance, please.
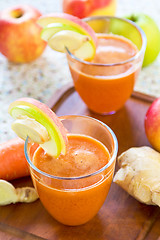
(103, 114)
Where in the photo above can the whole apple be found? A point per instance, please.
(152, 124)
(153, 36)
(20, 39)
(85, 8)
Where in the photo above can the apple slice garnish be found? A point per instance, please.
(71, 33)
(37, 121)
(60, 36)
(52, 28)
(67, 39)
(28, 127)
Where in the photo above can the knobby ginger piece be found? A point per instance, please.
(26, 194)
(139, 174)
(10, 194)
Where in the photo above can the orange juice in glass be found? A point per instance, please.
(74, 186)
(106, 82)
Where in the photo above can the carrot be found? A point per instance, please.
(13, 163)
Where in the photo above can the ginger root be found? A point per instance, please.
(139, 174)
(10, 194)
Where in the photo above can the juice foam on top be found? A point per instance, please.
(113, 49)
(84, 156)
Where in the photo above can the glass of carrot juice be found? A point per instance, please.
(74, 186)
(106, 82)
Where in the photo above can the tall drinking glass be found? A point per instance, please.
(76, 200)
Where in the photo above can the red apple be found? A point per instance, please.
(152, 124)
(20, 39)
(85, 8)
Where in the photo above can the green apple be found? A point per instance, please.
(152, 32)
(33, 115)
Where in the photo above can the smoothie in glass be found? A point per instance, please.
(74, 187)
(106, 82)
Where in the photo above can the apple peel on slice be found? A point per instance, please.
(53, 28)
(39, 116)
(85, 48)
(69, 20)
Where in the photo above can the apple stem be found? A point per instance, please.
(133, 18)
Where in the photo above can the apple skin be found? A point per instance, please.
(82, 9)
(152, 124)
(152, 32)
(20, 39)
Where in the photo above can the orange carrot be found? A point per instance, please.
(13, 163)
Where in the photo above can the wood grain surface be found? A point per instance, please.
(120, 218)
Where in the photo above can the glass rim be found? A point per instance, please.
(115, 151)
(143, 47)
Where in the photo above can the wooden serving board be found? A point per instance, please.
(120, 218)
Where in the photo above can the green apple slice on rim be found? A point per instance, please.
(55, 27)
(37, 121)
(61, 36)
(63, 31)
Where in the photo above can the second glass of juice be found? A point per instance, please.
(106, 82)
(73, 187)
